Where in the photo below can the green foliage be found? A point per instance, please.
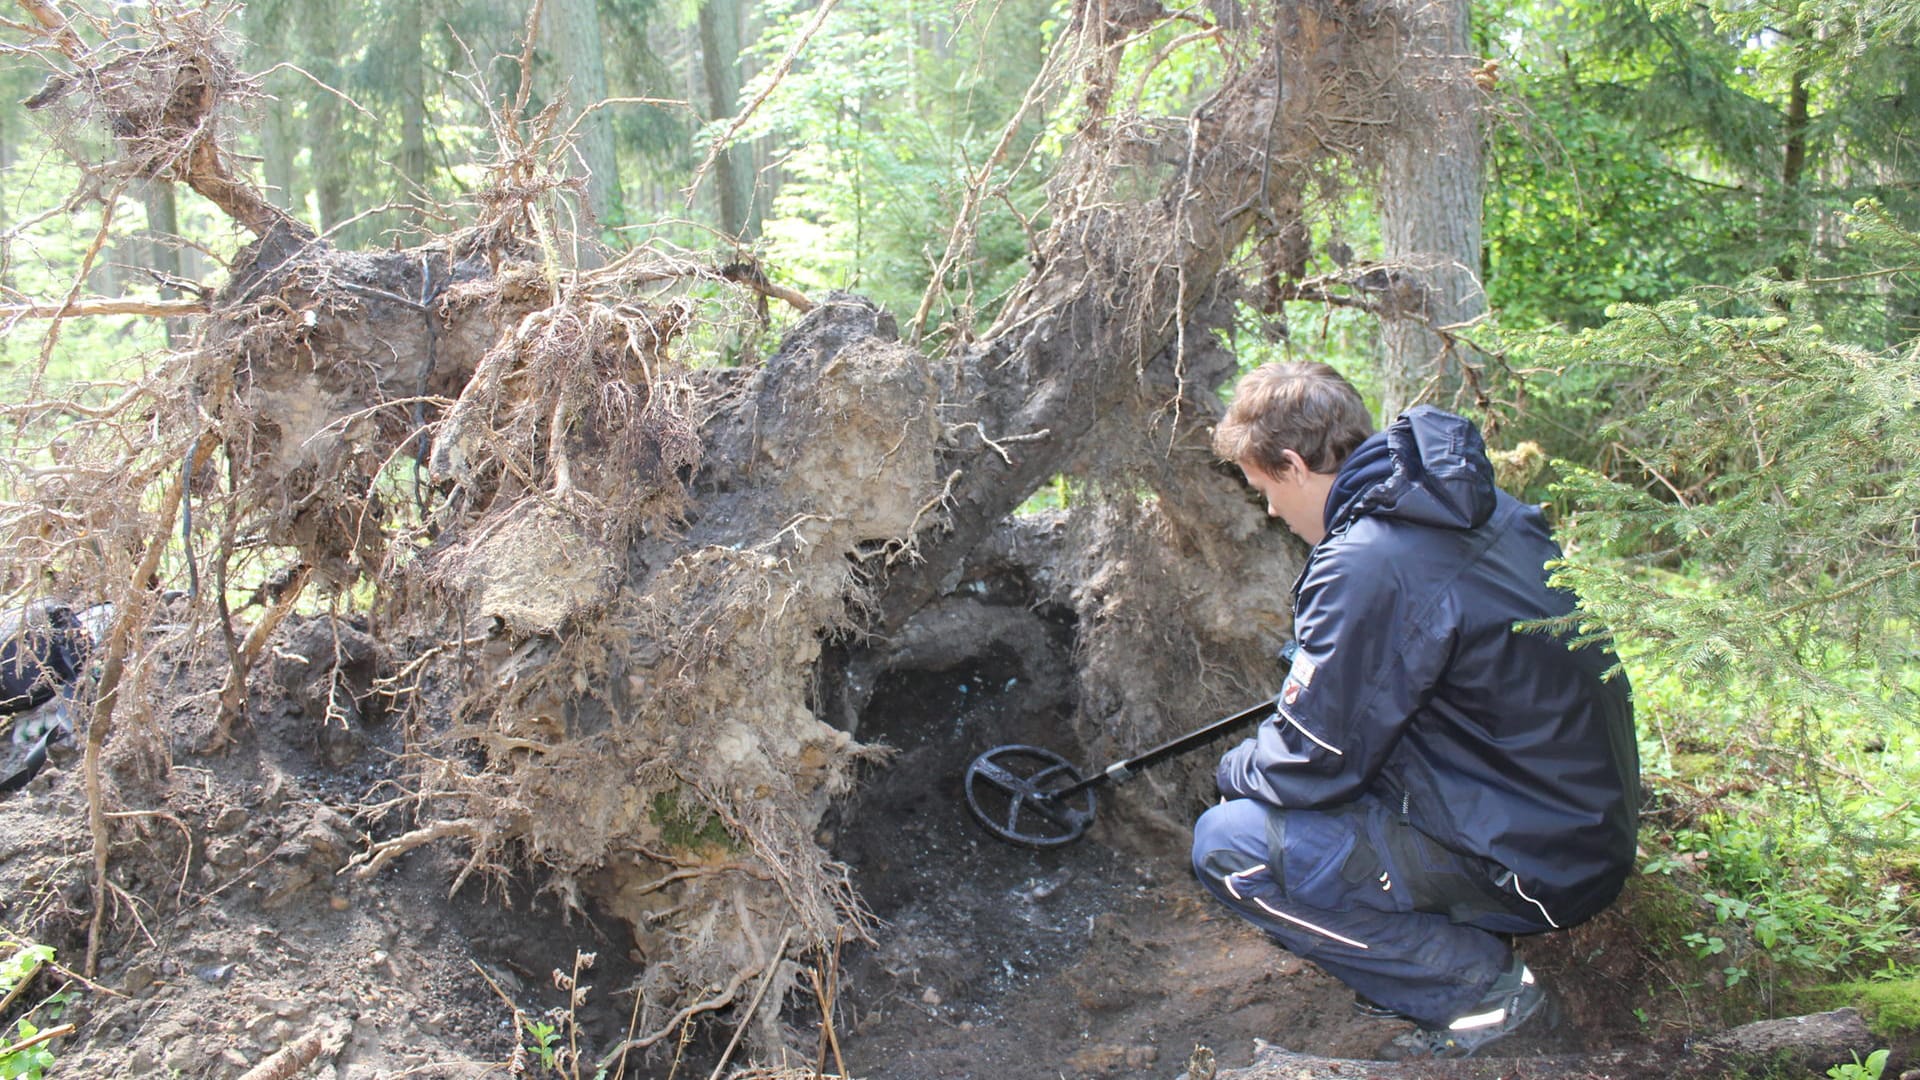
(32, 1062)
(1654, 145)
(544, 1040)
(1856, 1069)
(1750, 537)
(1782, 462)
(894, 104)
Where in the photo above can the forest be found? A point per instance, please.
(537, 505)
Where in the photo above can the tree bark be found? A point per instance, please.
(163, 253)
(320, 28)
(410, 62)
(733, 172)
(264, 21)
(1430, 211)
(570, 36)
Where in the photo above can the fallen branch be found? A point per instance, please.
(163, 309)
(48, 1035)
(1795, 1045)
(329, 1037)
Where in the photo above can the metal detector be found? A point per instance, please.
(1033, 796)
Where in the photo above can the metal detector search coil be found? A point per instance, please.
(1033, 796)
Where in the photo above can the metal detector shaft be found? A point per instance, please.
(1121, 771)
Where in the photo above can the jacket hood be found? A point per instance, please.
(1429, 467)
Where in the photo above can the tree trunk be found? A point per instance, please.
(1793, 168)
(264, 22)
(720, 67)
(320, 31)
(411, 68)
(163, 252)
(571, 38)
(1430, 211)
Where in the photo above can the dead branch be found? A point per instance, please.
(977, 186)
(129, 612)
(233, 693)
(80, 309)
(174, 139)
(48, 1035)
(1802, 1045)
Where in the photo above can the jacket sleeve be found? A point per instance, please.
(1372, 648)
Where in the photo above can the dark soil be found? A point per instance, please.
(1090, 959)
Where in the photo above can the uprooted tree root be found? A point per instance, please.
(620, 571)
(502, 448)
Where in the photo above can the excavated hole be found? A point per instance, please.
(978, 934)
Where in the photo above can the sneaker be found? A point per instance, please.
(1515, 999)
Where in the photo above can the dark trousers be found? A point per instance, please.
(1405, 922)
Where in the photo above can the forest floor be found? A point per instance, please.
(233, 933)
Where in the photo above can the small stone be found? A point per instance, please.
(234, 1058)
(930, 996)
(338, 902)
(186, 1056)
(213, 973)
(225, 852)
(228, 820)
(139, 977)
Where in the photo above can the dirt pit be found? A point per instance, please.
(1078, 961)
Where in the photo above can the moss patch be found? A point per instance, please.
(685, 825)
(1891, 1006)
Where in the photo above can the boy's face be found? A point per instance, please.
(1293, 497)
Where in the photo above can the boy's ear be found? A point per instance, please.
(1293, 463)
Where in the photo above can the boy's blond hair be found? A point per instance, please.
(1307, 408)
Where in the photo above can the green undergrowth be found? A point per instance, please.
(1795, 834)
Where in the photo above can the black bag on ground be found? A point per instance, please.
(42, 648)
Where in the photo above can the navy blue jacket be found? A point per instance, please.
(1412, 684)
